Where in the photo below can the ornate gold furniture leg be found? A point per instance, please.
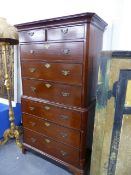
(13, 132)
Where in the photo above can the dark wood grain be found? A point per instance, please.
(53, 51)
(59, 115)
(60, 93)
(59, 72)
(67, 32)
(63, 134)
(32, 35)
(52, 147)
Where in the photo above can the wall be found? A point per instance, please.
(115, 12)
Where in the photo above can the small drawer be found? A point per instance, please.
(32, 35)
(66, 32)
(51, 147)
(60, 72)
(66, 94)
(61, 116)
(53, 51)
(65, 135)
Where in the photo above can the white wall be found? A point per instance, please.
(114, 12)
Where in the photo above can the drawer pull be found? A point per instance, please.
(32, 69)
(64, 117)
(65, 94)
(64, 30)
(65, 72)
(47, 141)
(47, 124)
(46, 46)
(31, 33)
(47, 65)
(33, 89)
(47, 108)
(64, 135)
(33, 140)
(31, 108)
(32, 51)
(66, 51)
(48, 85)
(32, 123)
(63, 153)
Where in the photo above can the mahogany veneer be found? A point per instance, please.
(59, 73)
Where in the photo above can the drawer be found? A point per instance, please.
(60, 72)
(65, 135)
(53, 51)
(66, 32)
(60, 93)
(51, 147)
(32, 35)
(61, 116)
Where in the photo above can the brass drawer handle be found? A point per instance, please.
(48, 85)
(65, 72)
(46, 46)
(47, 140)
(63, 153)
(64, 117)
(32, 123)
(47, 65)
(65, 94)
(47, 124)
(32, 69)
(64, 30)
(64, 135)
(31, 108)
(32, 51)
(33, 140)
(66, 51)
(47, 108)
(31, 33)
(33, 89)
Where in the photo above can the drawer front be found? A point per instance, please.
(67, 32)
(61, 116)
(53, 51)
(52, 147)
(32, 35)
(67, 73)
(65, 94)
(65, 135)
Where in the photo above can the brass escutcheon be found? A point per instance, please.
(63, 153)
(65, 94)
(32, 69)
(47, 124)
(48, 85)
(47, 141)
(65, 72)
(46, 108)
(47, 65)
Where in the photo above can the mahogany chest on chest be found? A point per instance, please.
(59, 70)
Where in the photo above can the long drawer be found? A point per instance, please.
(61, 72)
(60, 93)
(52, 147)
(53, 51)
(63, 134)
(61, 116)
